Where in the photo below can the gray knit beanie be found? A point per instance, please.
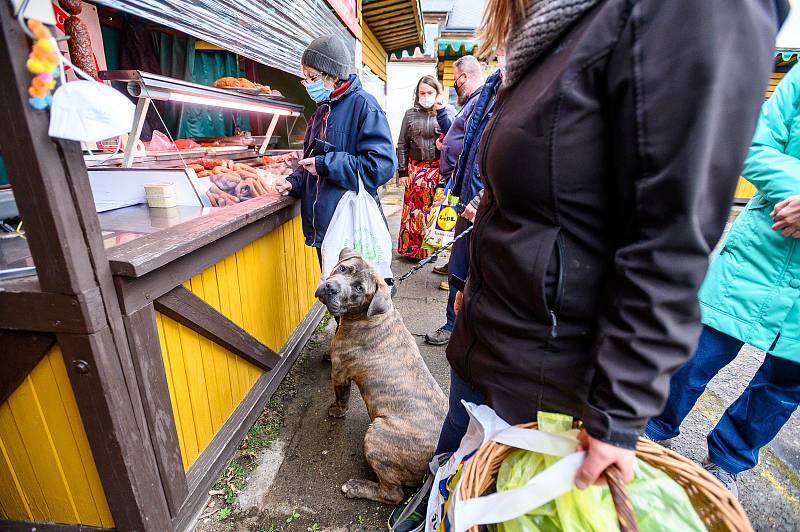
(328, 54)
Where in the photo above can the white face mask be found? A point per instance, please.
(426, 102)
(89, 111)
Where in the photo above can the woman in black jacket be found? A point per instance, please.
(418, 163)
(609, 164)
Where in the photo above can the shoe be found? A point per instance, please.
(444, 285)
(663, 443)
(727, 479)
(441, 270)
(438, 337)
(409, 516)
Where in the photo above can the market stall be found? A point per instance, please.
(146, 326)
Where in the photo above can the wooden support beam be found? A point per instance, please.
(127, 470)
(189, 310)
(55, 201)
(21, 352)
(152, 378)
(23, 306)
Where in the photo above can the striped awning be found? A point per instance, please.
(396, 23)
(455, 48)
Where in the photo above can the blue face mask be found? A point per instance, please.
(318, 91)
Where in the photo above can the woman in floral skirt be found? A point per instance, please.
(418, 163)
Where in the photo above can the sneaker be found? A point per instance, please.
(438, 337)
(409, 516)
(444, 285)
(663, 443)
(442, 270)
(727, 479)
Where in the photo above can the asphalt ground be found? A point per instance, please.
(295, 484)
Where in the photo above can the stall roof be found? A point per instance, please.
(272, 32)
(396, 23)
(454, 48)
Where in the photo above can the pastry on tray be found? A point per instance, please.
(240, 83)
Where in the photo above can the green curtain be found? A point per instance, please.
(201, 121)
(179, 59)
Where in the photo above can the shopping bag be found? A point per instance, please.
(442, 227)
(444, 508)
(656, 498)
(358, 223)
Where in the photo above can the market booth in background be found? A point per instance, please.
(141, 342)
(387, 28)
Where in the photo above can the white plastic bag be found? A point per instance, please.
(358, 223)
(448, 513)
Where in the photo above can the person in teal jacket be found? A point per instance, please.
(752, 295)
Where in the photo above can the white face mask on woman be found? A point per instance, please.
(426, 102)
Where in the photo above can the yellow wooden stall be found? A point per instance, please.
(266, 288)
(375, 56)
(47, 472)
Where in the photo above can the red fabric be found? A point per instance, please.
(341, 90)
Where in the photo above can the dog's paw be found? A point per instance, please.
(336, 411)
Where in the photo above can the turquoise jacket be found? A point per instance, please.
(752, 290)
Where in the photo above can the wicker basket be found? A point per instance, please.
(717, 507)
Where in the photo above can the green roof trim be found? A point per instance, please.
(454, 48)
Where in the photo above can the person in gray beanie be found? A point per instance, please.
(346, 139)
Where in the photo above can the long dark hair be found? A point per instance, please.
(429, 81)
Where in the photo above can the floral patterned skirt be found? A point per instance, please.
(417, 206)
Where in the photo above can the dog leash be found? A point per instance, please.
(432, 257)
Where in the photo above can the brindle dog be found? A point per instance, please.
(373, 348)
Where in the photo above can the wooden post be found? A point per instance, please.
(55, 202)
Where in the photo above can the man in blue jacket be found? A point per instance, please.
(467, 185)
(347, 138)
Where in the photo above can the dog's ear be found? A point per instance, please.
(381, 301)
(347, 253)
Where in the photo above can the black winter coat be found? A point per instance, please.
(609, 171)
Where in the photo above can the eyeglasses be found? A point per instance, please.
(305, 82)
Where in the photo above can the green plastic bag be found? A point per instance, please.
(658, 502)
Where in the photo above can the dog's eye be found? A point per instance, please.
(342, 269)
(359, 288)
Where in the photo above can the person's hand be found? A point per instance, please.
(283, 187)
(600, 455)
(310, 165)
(404, 181)
(786, 217)
(457, 302)
(439, 103)
(469, 212)
(439, 144)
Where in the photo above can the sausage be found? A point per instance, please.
(219, 170)
(80, 45)
(212, 198)
(204, 173)
(73, 7)
(258, 187)
(242, 167)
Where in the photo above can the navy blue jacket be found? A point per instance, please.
(357, 126)
(453, 142)
(467, 176)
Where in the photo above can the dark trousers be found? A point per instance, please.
(457, 267)
(457, 420)
(751, 422)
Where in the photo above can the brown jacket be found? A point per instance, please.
(609, 171)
